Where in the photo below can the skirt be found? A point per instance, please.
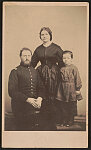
(50, 78)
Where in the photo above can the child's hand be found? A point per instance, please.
(78, 92)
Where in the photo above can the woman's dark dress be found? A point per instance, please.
(49, 70)
(51, 60)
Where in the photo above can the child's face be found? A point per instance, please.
(67, 59)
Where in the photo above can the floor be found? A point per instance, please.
(79, 124)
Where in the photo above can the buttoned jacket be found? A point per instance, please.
(24, 82)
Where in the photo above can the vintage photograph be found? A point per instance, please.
(45, 73)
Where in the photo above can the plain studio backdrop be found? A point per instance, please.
(22, 24)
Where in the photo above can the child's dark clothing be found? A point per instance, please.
(70, 83)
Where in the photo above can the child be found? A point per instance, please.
(69, 89)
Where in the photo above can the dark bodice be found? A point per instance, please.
(49, 71)
(47, 55)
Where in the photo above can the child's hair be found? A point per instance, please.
(65, 52)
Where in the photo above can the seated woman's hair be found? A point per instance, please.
(23, 49)
(48, 30)
(67, 51)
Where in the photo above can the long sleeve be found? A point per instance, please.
(34, 59)
(59, 57)
(78, 82)
(13, 90)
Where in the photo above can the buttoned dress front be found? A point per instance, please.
(49, 70)
(51, 60)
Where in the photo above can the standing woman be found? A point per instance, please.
(50, 56)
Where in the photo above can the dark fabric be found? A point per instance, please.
(50, 78)
(28, 122)
(70, 83)
(69, 111)
(59, 112)
(49, 71)
(51, 60)
(24, 82)
(48, 116)
(47, 122)
(47, 55)
(65, 112)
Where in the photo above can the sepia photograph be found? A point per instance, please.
(45, 49)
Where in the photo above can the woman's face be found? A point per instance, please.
(45, 36)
